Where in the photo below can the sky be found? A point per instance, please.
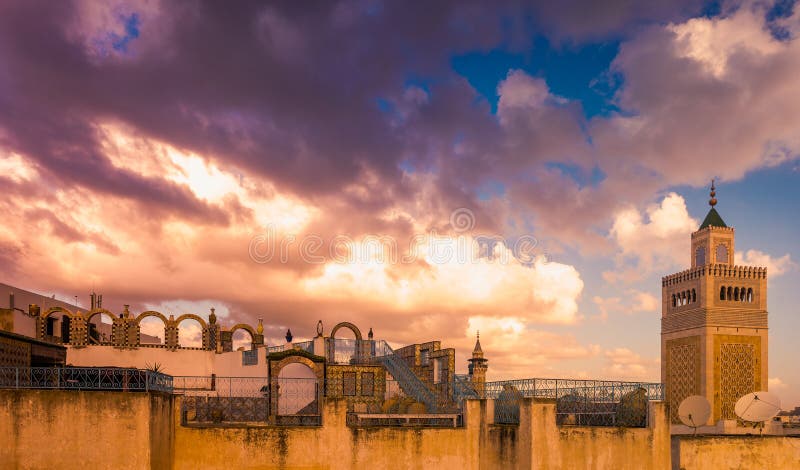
(527, 169)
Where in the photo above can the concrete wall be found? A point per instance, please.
(44, 429)
(733, 452)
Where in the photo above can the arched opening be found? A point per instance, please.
(674, 304)
(56, 327)
(297, 390)
(700, 256)
(152, 330)
(722, 253)
(722, 293)
(736, 294)
(743, 294)
(694, 296)
(750, 294)
(100, 328)
(343, 348)
(730, 293)
(242, 340)
(683, 298)
(190, 333)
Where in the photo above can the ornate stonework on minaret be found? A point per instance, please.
(477, 368)
(714, 324)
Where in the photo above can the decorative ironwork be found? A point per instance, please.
(85, 378)
(578, 402)
(223, 399)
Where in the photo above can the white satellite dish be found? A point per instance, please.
(694, 411)
(757, 406)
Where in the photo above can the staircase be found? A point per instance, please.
(408, 381)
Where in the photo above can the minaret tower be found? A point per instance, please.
(477, 368)
(713, 324)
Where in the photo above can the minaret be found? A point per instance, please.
(477, 368)
(714, 323)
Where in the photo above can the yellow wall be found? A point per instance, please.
(41, 429)
(51, 429)
(723, 452)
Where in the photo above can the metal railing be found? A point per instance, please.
(85, 378)
(247, 400)
(578, 402)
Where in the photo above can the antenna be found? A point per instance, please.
(757, 407)
(694, 411)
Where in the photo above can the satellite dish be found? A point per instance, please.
(694, 411)
(757, 406)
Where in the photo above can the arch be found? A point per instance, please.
(99, 311)
(152, 313)
(246, 327)
(730, 293)
(192, 316)
(674, 302)
(349, 326)
(736, 294)
(683, 298)
(96, 337)
(276, 365)
(743, 294)
(722, 293)
(139, 327)
(53, 310)
(694, 296)
(750, 294)
(176, 330)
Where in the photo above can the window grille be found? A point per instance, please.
(250, 358)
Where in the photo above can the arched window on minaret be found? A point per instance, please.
(700, 256)
(750, 294)
(722, 253)
(743, 294)
(736, 294)
(694, 296)
(674, 304)
(730, 293)
(722, 293)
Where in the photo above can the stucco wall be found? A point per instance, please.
(539, 443)
(180, 362)
(51, 429)
(735, 452)
(331, 446)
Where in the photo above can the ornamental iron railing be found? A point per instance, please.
(85, 378)
(290, 401)
(578, 402)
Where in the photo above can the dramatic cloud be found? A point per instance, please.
(710, 96)
(183, 155)
(656, 242)
(775, 266)
(633, 302)
(624, 364)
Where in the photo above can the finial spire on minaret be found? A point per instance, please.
(713, 201)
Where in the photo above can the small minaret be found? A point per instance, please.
(477, 368)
